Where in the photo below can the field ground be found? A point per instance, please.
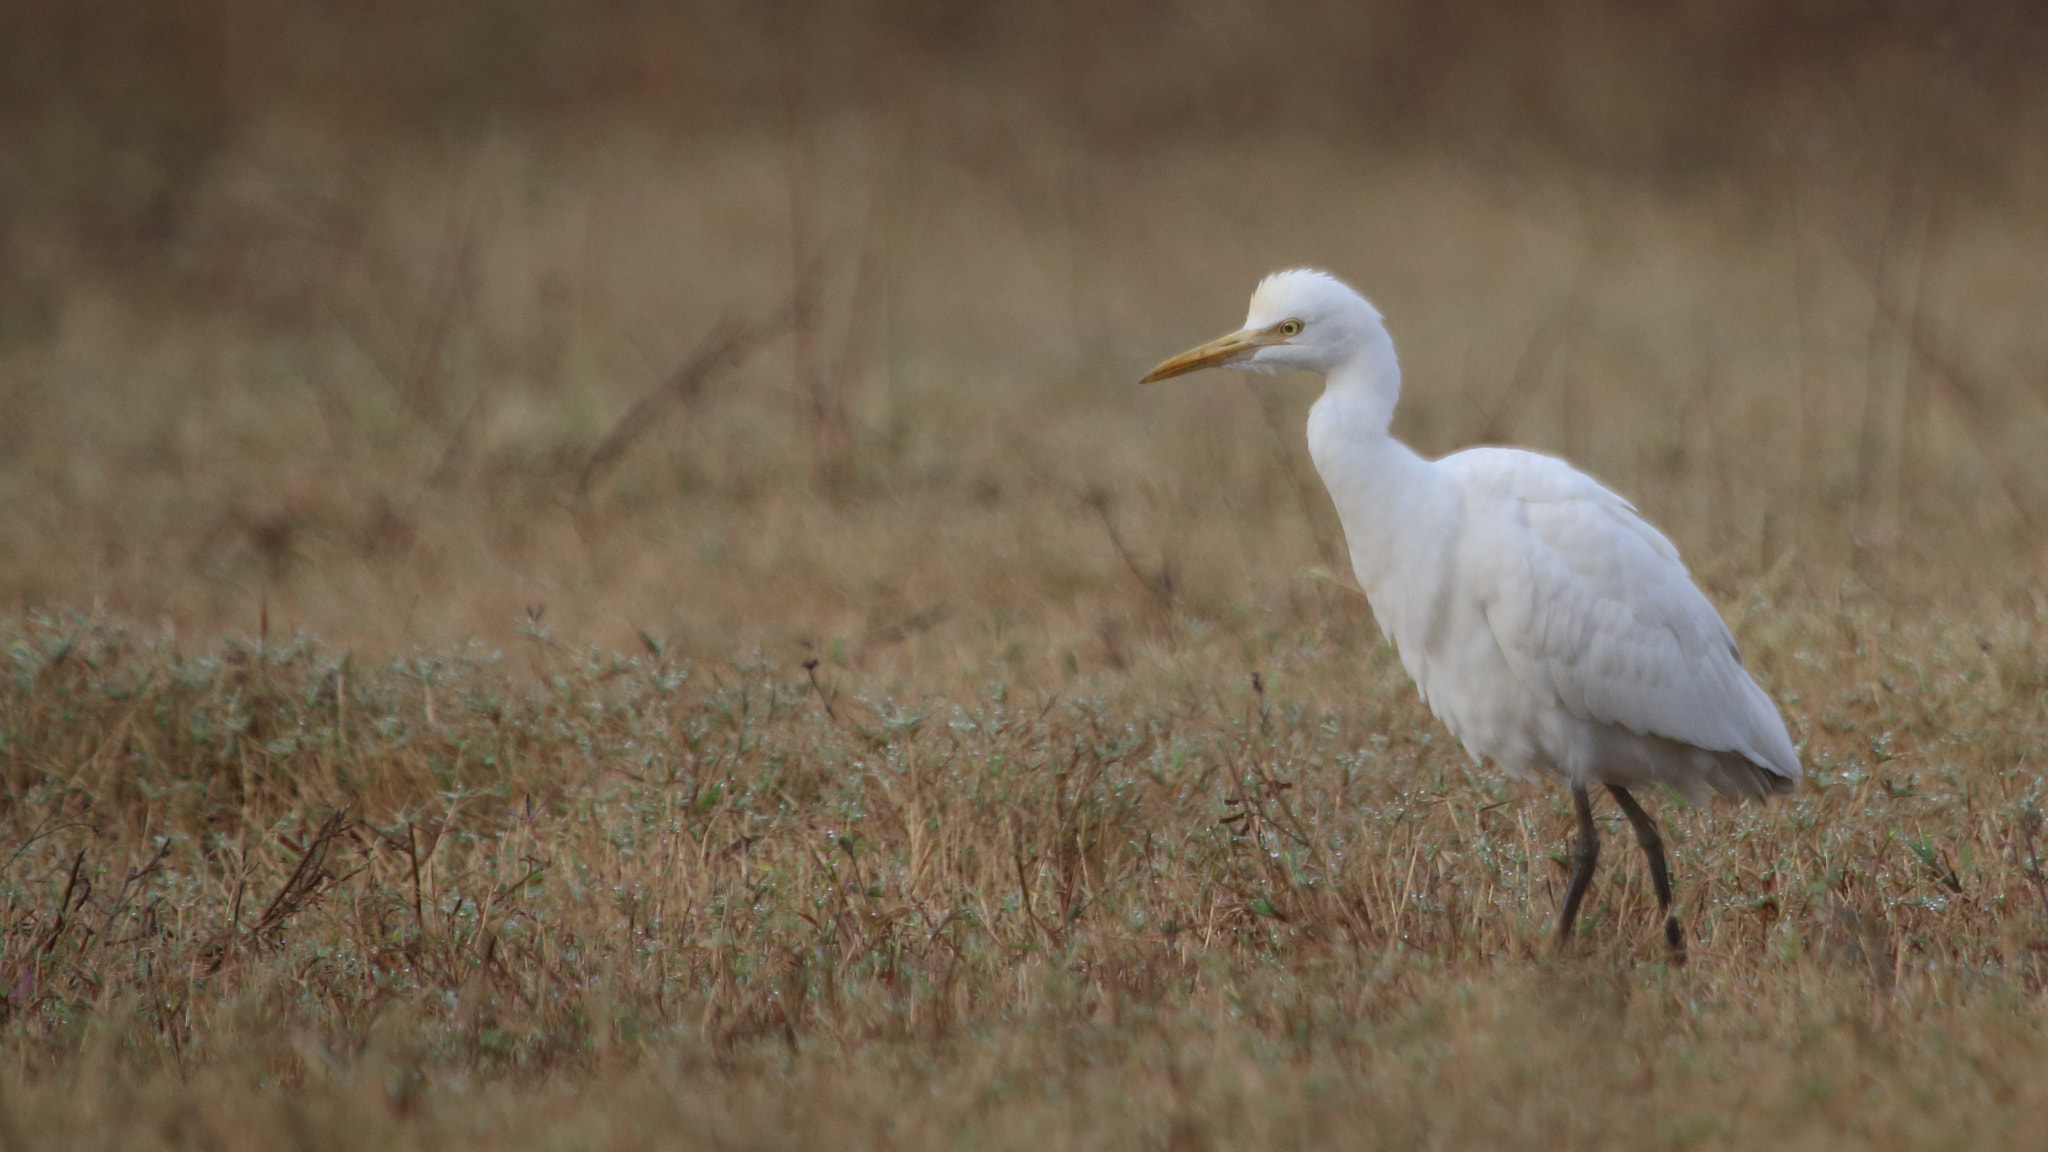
(278, 894)
(921, 736)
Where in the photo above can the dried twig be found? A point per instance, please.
(412, 852)
(131, 883)
(1970, 395)
(47, 827)
(423, 367)
(64, 905)
(727, 344)
(1160, 586)
(1024, 898)
(308, 877)
(811, 669)
(1965, 388)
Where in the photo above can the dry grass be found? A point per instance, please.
(910, 733)
(277, 893)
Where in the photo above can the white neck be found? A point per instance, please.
(1368, 382)
(1376, 482)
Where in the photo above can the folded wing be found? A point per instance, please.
(1592, 604)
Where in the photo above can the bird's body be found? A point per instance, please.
(1547, 625)
(1550, 628)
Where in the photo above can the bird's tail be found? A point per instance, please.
(1737, 777)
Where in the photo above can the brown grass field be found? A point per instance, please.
(911, 733)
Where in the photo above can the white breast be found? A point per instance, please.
(1432, 606)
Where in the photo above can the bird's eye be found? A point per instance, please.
(1290, 327)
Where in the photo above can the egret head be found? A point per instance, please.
(1301, 320)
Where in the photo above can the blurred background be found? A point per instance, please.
(313, 316)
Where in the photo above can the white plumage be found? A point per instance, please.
(1549, 627)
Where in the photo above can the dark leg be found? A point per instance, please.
(1660, 874)
(1585, 854)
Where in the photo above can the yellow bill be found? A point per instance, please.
(1215, 354)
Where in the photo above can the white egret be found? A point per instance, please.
(1547, 625)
